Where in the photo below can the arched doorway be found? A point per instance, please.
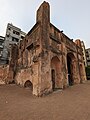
(55, 72)
(28, 84)
(70, 68)
(53, 78)
(81, 72)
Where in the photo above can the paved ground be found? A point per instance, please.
(72, 103)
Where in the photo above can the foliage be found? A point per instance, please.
(88, 72)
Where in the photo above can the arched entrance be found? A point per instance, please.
(55, 72)
(70, 68)
(53, 78)
(28, 84)
(81, 73)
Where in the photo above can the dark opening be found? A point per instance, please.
(53, 79)
(12, 82)
(81, 73)
(15, 39)
(30, 47)
(69, 71)
(28, 84)
(22, 37)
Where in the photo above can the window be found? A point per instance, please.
(0, 43)
(87, 55)
(15, 39)
(30, 47)
(15, 32)
(7, 35)
(9, 28)
(88, 60)
(22, 37)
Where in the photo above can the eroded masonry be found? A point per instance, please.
(46, 59)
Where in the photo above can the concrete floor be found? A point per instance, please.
(18, 103)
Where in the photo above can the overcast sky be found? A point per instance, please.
(71, 16)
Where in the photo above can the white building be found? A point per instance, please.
(88, 56)
(13, 36)
(1, 48)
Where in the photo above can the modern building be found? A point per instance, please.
(1, 48)
(46, 59)
(13, 36)
(88, 63)
(88, 56)
(84, 53)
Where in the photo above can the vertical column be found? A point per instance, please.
(13, 63)
(76, 77)
(29, 58)
(64, 66)
(43, 17)
(82, 73)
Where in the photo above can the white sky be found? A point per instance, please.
(71, 16)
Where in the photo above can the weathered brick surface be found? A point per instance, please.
(4, 71)
(46, 57)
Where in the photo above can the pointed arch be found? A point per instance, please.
(55, 72)
(28, 84)
(71, 68)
